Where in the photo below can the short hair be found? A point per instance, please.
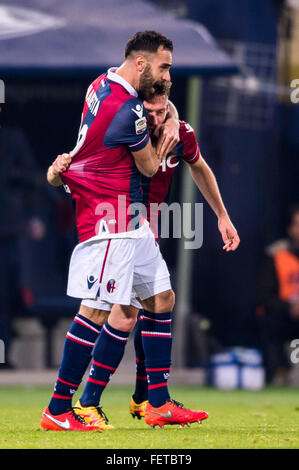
(162, 89)
(148, 41)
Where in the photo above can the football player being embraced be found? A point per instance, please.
(155, 190)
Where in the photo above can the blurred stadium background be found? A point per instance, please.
(234, 62)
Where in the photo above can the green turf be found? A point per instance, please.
(267, 419)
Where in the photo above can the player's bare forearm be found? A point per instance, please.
(148, 167)
(207, 184)
(147, 160)
(156, 159)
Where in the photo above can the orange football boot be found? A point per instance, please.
(172, 412)
(68, 421)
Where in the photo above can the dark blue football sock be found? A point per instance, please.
(157, 343)
(108, 353)
(140, 393)
(79, 342)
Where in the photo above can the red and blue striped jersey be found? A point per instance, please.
(103, 179)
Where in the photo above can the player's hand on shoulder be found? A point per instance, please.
(61, 163)
(229, 234)
(169, 137)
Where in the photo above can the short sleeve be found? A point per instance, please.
(128, 127)
(190, 149)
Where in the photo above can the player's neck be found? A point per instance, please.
(126, 72)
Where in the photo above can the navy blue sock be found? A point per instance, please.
(157, 343)
(140, 393)
(108, 353)
(79, 342)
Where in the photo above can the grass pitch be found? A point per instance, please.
(268, 419)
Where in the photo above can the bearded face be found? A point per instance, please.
(148, 85)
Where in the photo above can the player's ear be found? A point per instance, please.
(140, 62)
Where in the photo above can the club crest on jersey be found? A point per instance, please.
(111, 286)
(140, 125)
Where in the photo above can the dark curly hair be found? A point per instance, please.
(148, 41)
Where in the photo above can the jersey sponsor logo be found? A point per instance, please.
(168, 163)
(138, 110)
(140, 125)
(111, 286)
(90, 281)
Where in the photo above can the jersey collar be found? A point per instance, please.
(111, 75)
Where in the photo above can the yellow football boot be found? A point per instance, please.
(93, 415)
(138, 409)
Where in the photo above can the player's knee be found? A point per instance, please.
(123, 317)
(168, 300)
(161, 303)
(127, 324)
(129, 317)
(96, 316)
